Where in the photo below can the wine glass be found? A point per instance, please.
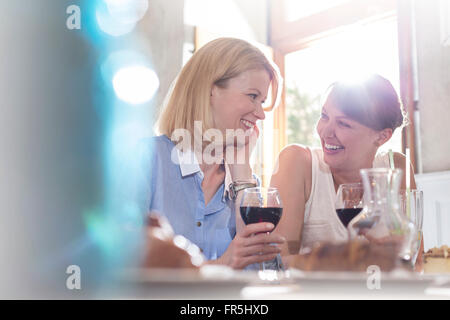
(349, 202)
(411, 206)
(262, 205)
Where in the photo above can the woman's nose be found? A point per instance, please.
(328, 130)
(259, 112)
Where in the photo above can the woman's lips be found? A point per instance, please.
(247, 124)
(330, 148)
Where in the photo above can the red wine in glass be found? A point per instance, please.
(349, 200)
(347, 214)
(257, 214)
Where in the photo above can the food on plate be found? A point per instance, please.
(351, 256)
(437, 260)
(163, 249)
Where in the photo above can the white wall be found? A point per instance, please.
(433, 59)
(434, 84)
(170, 29)
(246, 19)
(256, 12)
(164, 26)
(436, 222)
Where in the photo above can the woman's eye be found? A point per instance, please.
(346, 125)
(323, 116)
(253, 96)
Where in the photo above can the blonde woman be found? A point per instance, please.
(208, 128)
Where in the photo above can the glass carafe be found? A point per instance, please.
(381, 219)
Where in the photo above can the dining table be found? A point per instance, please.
(223, 283)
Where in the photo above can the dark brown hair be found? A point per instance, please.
(372, 102)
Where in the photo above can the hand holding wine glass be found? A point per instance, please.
(262, 205)
(253, 244)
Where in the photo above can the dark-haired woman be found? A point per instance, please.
(356, 120)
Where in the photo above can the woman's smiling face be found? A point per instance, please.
(239, 104)
(346, 144)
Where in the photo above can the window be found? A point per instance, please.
(322, 40)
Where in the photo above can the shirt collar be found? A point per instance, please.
(188, 162)
(189, 165)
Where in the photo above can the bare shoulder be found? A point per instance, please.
(294, 161)
(295, 154)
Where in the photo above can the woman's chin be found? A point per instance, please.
(239, 143)
(238, 138)
(332, 160)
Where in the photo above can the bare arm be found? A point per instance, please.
(292, 178)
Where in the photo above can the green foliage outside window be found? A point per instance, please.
(302, 112)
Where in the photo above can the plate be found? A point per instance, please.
(208, 282)
(396, 282)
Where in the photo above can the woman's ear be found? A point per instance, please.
(383, 136)
(213, 94)
(214, 90)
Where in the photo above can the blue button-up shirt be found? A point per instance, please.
(174, 190)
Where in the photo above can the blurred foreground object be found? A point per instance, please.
(437, 260)
(351, 256)
(381, 220)
(166, 250)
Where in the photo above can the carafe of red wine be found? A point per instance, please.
(381, 220)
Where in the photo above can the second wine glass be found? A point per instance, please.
(349, 201)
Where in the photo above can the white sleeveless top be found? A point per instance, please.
(321, 223)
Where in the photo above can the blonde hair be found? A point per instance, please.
(215, 63)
